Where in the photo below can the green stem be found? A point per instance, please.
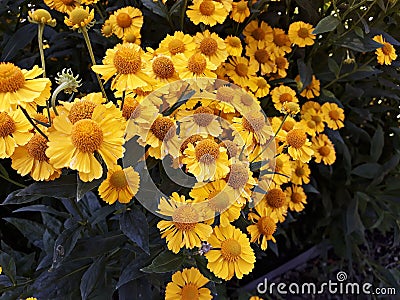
(99, 11)
(41, 51)
(123, 100)
(12, 181)
(89, 46)
(33, 123)
(61, 87)
(183, 11)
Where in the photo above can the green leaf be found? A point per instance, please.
(201, 263)
(33, 231)
(8, 265)
(84, 187)
(254, 166)
(42, 208)
(134, 225)
(354, 42)
(132, 270)
(13, 198)
(333, 67)
(353, 221)
(94, 276)
(326, 24)
(65, 243)
(359, 31)
(156, 7)
(367, 170)
(166, 261)
(377, 143)
(22, 37)
(305, 72)
(176, 8)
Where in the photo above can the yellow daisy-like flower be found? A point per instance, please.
(188, 285)
(177, 43)
(265, 225)
(299, 147)
(41, 16)
(240, 11)
(207, 12)
(231, 253)
(89, 2)
(333, 115)
(387, 53)
(79, 17)
(312, 118)
(106, 29)
(282, 169)
(262, 33)
(282, 94)
(311, 90)
(301, 173)
(233, 45)
(21, 87)
(310, 105)
(133, 37)
(274, 199)
(252, 127)
(300, 34)
(63, 6)
(15, 130)
(207, 160)
(32, 159)
(161, 68)
(324, 150)
(31, 298)
(261, 56)
(194, 66)
(241, 180)
(126, 20)
(75, 145)
(287, 125)
(126, 63)
(281, 43)
(262, 87)
(212, 46)
(255, 298)
(138, 113)
(202, 121)
(281, 64)
(184, 230)
(120, 184)
(296, 198)
(240, 70)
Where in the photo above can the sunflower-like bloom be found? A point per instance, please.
(15, 130)
(333, 115)
(274, 199)
(261, 88)
(296, 198)
(260, 55)
(300, 34)
(74, 145)
(188, 285)
(106, 29)
(212, 46)
(195, 66)
(132, 37)
(265, 225)
(281, 43)
(299, 147)
(240, 70)
(262, 33)
(282, 64)
(301, 172)
(177, 43)
(323, 149)
(312, 90)
(79, 17)
(185, 228)
(240, 11)
(208, 12)
(82, 108)
(282, 94)
(200, 121)
(231, 253)
(125, 62)
(281, 167)
(385, 54)
(240, 180)
(63, 6)
(120, 184)
(233, 45)
(41, 16)
(21, 87)
(126, 20)
(161, 68)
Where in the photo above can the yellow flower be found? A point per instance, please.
(14, 131)
(177, 43)
(41, 16)
(88, 2)
(133, 37)
(207, 160)
(241, 71)
(137, 112)
(333, 115)
(188, 285)
(31, 298)
(231, 253)
(312, 118)
(212, 46)
(233, 45)
(126, 63)
(194, 66)
(387, 53)
(106, 29)
(240, 11)
(311, 90)
(282, 169)
(287, 125)
(274, 199)
(261, 88)
(63, 6)
(281, 43)
(75, 145)
(281, 64)
(126, 20)
(301, 173)
(184, 230)
(299, 147)
(21, 87)
(252, 127)
(79, 17)
(241, 180)
(201, 121)
(161, 68)
(32, 159)
(300, 34)
(323, 149)
(120, 184)
(259, 54)
(255, 298)
(296, 198)
(207, 12)
(282, 94)
(265, 226)
(262, 33)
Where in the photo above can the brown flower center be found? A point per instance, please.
(176, 46)
(163, 128)
(131, 109)
(262, 56)
(246, 99)
(254, 121)
(280, 39)
(11, 78)
(127, 61)
(232, 149)
(203, 116)
(280, 62)
(311, 124)
(266, 225)
(163, 67)
(334, 115)
(207, 8)
(118, 180)
(238, 176)
(208, 46)
(316, 119)
(207, 151)
(78, 15)
(258, 34)
(241, 6)
(191, 139)
(261, 83)
(303, 33)
(124, 20)
(234, 42)
(242, 69)
(230, 249)
(275, 198)
(185, 217)
(81, 110)
(288, 125)
(296, 138)
(197, 64)
(190, 292)
(7, 125)
(324, 150)
(296, 197)
(68, 2)
(87, 136)
(218, 202)
(37, 147)
(225, 94)
(300, 172)
(130, 37)
(386, 48)
(41, 14)
(285, 97)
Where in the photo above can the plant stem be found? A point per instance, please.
(123, 100)
(183, 11)
(41, 51)
(12, 181)
(33, 123)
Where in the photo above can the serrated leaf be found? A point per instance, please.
(92, 277)
(377, 143)
(134, 225)
(326, 24)
(166, 261)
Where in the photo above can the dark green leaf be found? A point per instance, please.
(359, 31)
(132, 270)
(33, 231)
(377, 142)
(354, 42)
(367, 170)
(166, 261)
(201, 263)
(305, 72)
(333, 67)
(134, 225)
(84, 187)
(326, 24)
(353, 221)
(8, 265)
(42, 208)
(65, 243)
(176, 8)
(254, 166)
(156, 7)
(19, 40)
(13, 198)
(94, 276)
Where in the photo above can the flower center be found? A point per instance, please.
(87, 136)
(278, 164)
(231, 147)
(118, 180)
(280, 39)
(280, 62)
(163, 67)
(41, 118)
(185, 217)
(127, 61)
(130, 37)
(288, 125)
(261, 83)
(296, 138)
(238, 176)
(241, 6)
(230, 249)
(40, 14)
(176, 46)
(203, 116)
(266, 225)
(107, 30)
(189, 292)
(324, 150)
(254, 121)
(78, 15)
(124, 20)
(37, 147)
(258, 34)
(208, 46)
(246, 100)
(11, 78)
(386, 48)
(334, 115)
(296, 198)
(300, 172)
(316, 119)
(191, 139)
(261, 56)
(225, 94)
(303, 33)
(207, 8)
(242, 69)
(68, 2)
(285, 97)
(131, 108)
(218, 202)
(162, 128)
(311, 124)
(275, 198)
(207, 151)
(197, 64)
(7, 124)
(81, 110)
(234, 42)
